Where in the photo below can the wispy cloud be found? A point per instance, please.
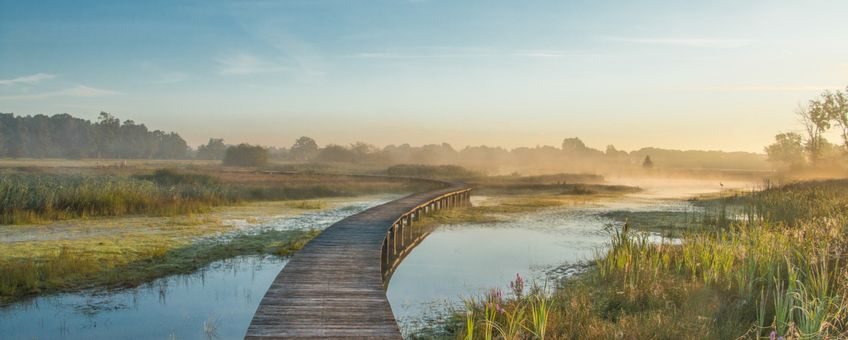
(447, 52)
(767, 88)
(547, 54)
(75, 91)
(386, 55)
(687, 42)
(161, 75)
(245, 64)
(171, 77)
(30, 79)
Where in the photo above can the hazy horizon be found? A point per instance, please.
(709, 76)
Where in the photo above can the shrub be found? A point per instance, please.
(431, 171)
(246, 155)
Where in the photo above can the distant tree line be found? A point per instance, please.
(573, 155)
(826, 113)
(64, 136)
(245, 155)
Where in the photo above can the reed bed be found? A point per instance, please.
(28, 198)
(31, 197)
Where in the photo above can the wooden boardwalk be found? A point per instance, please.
(334, 288)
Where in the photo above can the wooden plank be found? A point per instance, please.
(334, 288)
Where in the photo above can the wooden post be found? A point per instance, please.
(385, 252)
(394, 234)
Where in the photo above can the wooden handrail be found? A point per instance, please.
(391, 255)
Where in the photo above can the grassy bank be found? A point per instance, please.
(776, 268)
(36, 196)
(558, 184)
(128, 257)
(114, 252)
(503, 200)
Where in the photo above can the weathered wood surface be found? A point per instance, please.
(334, 288)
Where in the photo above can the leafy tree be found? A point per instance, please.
(787, 150)
(336, 153)
(816, 120)
(573, 145)
(246, 155)
(835, 104)
(304, 148)
(65, 136)
(213, 150)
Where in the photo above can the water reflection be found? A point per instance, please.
(455, 262)
(215, 302)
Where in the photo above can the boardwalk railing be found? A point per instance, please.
(402, 236)
(334, 287)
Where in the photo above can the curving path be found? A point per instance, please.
(334, 288)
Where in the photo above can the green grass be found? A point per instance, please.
(775, 262)
(99, 263)
(28, 198)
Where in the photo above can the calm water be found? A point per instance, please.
(453, 262)
(216, 302)
(457, 262)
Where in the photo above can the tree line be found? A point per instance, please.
(65, 136)
(819, 116)
(572, 155)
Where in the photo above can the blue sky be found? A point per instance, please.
(714, 75)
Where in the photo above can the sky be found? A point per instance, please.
(718, 75)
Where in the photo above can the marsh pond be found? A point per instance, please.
(456, 261)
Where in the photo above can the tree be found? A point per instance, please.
(213, 150)
(835, 104)
(336, 153)
(304, 148)
(65, 136)
(614, 154)
(573, 145)
(647, 163)
(246, 155)
(788, 150)
(816, 120)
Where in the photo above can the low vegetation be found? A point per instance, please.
(556, 184)
(776, 269)
(127, 261)
(431, 171)
(27, 196)
(246, 155)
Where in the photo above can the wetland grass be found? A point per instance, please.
(128, 261)
(778, 269)
(36, 197)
